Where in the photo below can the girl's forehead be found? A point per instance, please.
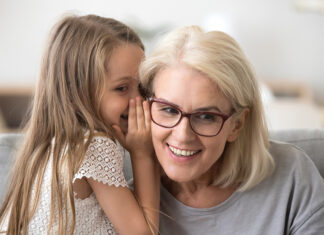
(125, 61)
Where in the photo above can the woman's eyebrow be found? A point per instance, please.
(202, 109)
(168, 102)
(209, 108)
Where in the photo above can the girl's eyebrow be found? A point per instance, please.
(123, 79)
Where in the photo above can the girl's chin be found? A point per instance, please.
(124, 131)
(124, 127)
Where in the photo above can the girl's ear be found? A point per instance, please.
(237, 125)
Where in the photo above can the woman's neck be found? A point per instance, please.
(198, 193)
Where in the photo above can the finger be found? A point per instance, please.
(147, 114)
(132, 120)
(119, 135)
(140, 113)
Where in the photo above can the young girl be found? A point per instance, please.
(68, 178)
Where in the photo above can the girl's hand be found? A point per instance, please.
(138, 139)
(138, 142)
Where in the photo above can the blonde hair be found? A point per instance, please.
(66, 103)
(246, 161)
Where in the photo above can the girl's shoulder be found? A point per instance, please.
(103, 136)
(101, 141)
(103, 161)
(99, 137)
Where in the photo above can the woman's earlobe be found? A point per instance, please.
(238, 125)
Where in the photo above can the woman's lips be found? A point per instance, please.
(182, 155)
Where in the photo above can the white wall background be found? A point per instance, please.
(280, 41)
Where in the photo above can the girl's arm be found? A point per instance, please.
(139, 214)
(146, 170)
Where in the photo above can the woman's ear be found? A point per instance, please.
(237, 125)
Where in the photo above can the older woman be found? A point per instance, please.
(222, 174)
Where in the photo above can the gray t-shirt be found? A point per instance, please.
(290, 201)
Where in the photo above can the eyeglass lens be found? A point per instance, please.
(202, 123)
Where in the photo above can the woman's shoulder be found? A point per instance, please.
(291, 159)
(297, 177)
(296, 173)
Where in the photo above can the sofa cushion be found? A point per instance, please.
(310, 141)
(8, 145)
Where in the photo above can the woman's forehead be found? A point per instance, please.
(188, 88)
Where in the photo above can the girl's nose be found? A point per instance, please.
(134, 92)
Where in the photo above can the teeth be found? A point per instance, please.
(182, 153)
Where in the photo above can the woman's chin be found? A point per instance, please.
(179, 177)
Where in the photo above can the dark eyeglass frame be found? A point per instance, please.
(188, 115)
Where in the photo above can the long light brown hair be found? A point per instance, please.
(66, 103)
(246, 161)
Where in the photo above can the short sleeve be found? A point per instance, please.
(103, 162)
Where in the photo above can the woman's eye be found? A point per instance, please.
(170, 110)
(207, 117)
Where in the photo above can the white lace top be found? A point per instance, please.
(103, 162)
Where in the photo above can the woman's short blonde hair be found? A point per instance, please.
(246, 161)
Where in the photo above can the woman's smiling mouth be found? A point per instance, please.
(182, 152)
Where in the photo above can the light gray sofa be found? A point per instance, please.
(310, 141)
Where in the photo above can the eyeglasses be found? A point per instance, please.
(169, 115)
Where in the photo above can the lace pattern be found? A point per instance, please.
(103, 162)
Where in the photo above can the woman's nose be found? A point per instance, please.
(183, 131)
